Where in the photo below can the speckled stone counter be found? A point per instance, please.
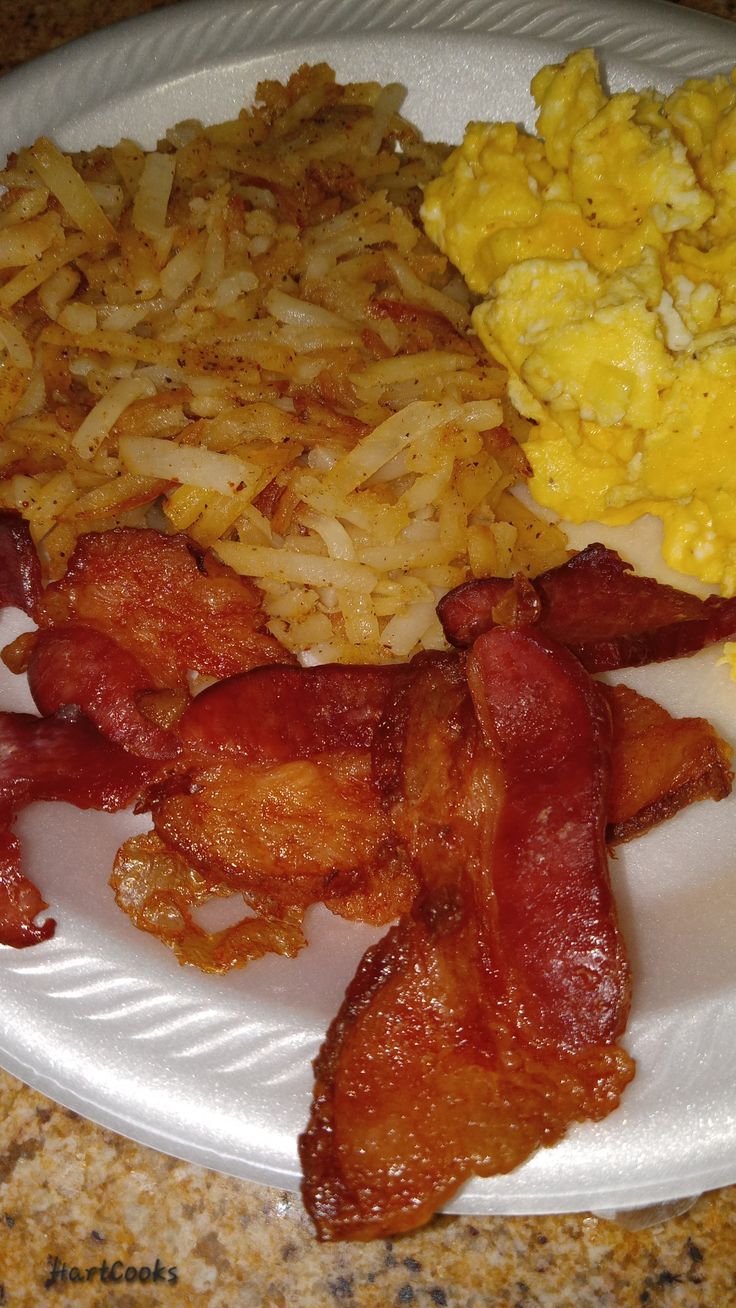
(75, 1193)
(89, 1218)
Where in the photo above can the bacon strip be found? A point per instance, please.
(20, 900)
(454, 1051)
(65, 758)
(660, 763)
(596, 606)
(56, 758)
(171, 606)
(557, 921)
(76, 665)
(275, 714)
(280, 714)
(20, 570)
(299, 831)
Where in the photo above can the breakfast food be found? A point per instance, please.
(605, 246)
(245, 335)
(488, 1019)
(235, 777)
(597, 606)
(470, 795)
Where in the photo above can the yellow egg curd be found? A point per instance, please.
(606, 250)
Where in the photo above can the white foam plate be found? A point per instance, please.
(217, 1070)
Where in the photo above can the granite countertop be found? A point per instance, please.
(73, 1192)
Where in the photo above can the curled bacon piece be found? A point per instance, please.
(76, 665)
(595, 605)
(457, 1050)
(171, 606)
(660, 763)
(20, 570)
(302, 831)
(20, 900)
(55, 758)
(279, 714)
(65, 758)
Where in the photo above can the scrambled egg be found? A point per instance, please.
(606, 248)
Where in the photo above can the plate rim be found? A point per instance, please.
(627, 28)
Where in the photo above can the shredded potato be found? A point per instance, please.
(245, 335)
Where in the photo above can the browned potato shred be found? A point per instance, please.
(244, 334)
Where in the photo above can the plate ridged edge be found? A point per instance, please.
(169, 44)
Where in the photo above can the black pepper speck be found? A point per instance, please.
(694, 1252)
(668, 1278)
(342, 1288)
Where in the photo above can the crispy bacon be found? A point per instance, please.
(56, 758)
(20, 570)
(171, 606)
(660, 763)
(300, 831)
(453, 1051)
(556, 915)
(20, 900)
(77, 665)
(411, 696)
(380, 893)
(65, 758)
(279, 714)
(158, 890)
(598, 607)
